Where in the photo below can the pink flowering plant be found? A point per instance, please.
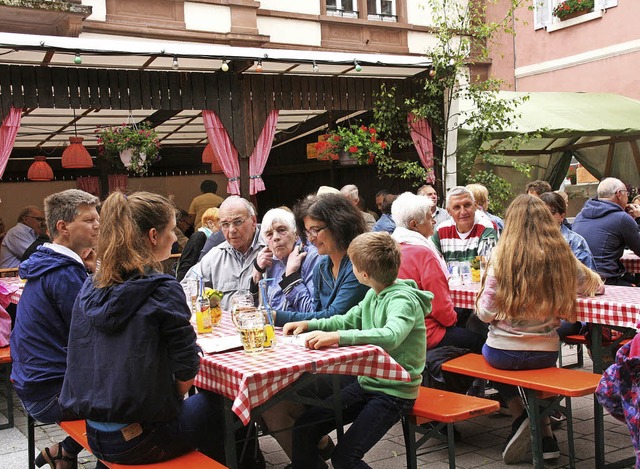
(572, 6)
(139, 143)
(360, 143)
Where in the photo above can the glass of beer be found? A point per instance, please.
(241, 302)
(251, 326)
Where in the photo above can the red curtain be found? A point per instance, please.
(224, 150)
(117, 182)
(260, 154)
(420, 131)
(89, 184)
(8, 132)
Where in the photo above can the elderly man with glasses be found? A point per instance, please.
(228, 267)
(608, 224)
(30, 225)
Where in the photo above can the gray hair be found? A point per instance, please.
(457, 191)
(409, 207)
(65, 206)
(277, 215)
(233, 199)
(609, 186)
(26, 212)
(351, 192)
(423, 189)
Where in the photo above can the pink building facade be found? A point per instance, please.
(598, 51)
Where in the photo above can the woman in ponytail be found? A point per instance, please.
(132, 352)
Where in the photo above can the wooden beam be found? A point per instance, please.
(609, 163)
(636, 153)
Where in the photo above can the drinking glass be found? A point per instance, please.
(251, 326)
(241, 301)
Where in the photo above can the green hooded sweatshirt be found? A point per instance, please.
(393, 320)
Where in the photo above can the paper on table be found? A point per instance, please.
(298, 340)
(219, 344)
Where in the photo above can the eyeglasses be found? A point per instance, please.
(225, 225)
(281, 230)
(313, 232)
(626, 192)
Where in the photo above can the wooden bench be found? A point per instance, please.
(5, 369)
(561, 383)
(196, 460)
(443, 408)
(581, 341)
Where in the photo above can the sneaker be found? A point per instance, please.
(519, 442)
(550, 448)
(556, 419)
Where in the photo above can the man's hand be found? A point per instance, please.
(294, 261)
(295, 328)
(633, 210)
(89, 259)
(318, 339)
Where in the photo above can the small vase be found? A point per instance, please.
(125, 157)
(575, 14)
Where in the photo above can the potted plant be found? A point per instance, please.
(355, 144)
(130, 147)
(572, 8)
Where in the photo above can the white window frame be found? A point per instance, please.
(340, 11)
(378, 16)
(543, 11)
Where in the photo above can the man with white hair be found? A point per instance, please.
(608, 224)
(350, 191)
(465, 235)
(228, 267)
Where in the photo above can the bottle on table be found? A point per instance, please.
(203, 311)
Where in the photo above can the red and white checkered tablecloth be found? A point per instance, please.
(619, 306)
(251, 379)
(631, 263)
(15, 286)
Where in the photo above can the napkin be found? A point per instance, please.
(219, 344)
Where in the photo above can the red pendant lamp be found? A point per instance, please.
(76, 155)
(209, 156)
(40, 170)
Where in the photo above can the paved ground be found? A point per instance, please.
(481, 446)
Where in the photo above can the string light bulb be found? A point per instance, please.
(225, 66)
(77, 59)
(315, 67)
(259, 66)
(357, 66)
(174, 64)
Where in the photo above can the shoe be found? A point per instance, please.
(550, 448)
(556, 419)
(477, 389)
(45, 457)
(326, 452)
(519, 442)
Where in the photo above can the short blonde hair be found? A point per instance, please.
(377, 254)
(480, 193)
(211, 214)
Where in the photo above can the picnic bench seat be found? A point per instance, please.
(5, 369)
(196, 460)
(561, 383)
(581, 341)
(443, 408)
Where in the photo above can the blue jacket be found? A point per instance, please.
(331, 296)
(607, 228)
(578, 246)
(41, 332)
(385, 223)
(128, 345)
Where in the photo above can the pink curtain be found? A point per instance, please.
(118, 182)
(8, 132)
(420, 131)
(89, 184)
(224, 150)
(260, 154)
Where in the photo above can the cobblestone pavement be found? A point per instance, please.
(481, 445)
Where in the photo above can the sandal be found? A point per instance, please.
(45, 457)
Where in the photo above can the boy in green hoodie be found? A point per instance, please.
(392, 316)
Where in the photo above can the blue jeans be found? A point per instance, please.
(372, 414)
(49, 411)
(198, 425)
(516, 360)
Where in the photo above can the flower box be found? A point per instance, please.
(575, 14)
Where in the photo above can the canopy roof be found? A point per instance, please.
(600, 130)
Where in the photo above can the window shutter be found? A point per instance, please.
(604, 4)
(541, 13)
(610, 3)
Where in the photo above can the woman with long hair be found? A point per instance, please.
(531, 284)
(132, 351)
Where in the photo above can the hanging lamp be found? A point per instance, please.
(40, 170)
(76, 155)
(209, 156)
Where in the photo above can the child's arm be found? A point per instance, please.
(295, 328)
(318, 339)
(485, 302)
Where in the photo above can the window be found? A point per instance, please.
(346, 8)
(542, 9)
(382, 10)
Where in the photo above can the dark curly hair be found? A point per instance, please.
(343, 220)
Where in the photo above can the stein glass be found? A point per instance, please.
(251, 326)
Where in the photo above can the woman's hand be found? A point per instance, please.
(294, 261)
(265, 258)
(295, 328)
(319, 339)
(90, 259)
